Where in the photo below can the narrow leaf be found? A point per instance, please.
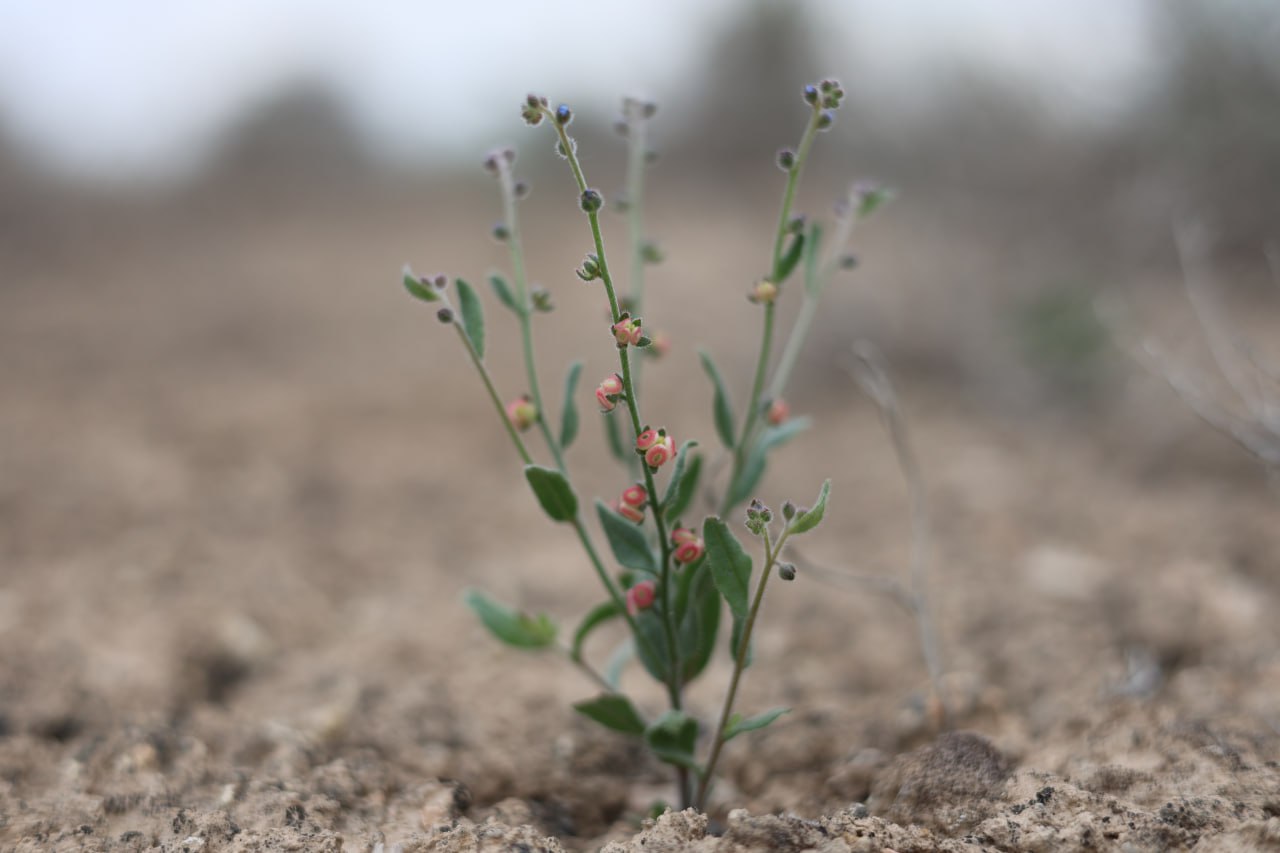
(675, 484)
(613, 435)
(738, 724)
(598, 615)
(618, 661)
(613, 711)
(753, 469)
(721, 409)
(735, 642)
(627, 541)
(553, 492)
(730, 564)
(683, 497)
(672, 738)
(569, 410)
(651, 644)
(806, 521)
(789, 259)
(510, 626)
(503, 291)
(472, 315)
(417, 289)
(699, 620)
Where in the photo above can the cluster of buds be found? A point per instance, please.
(631, 504)
(689, 547)
(763, 293)
(590, 269)
(641, 596)
(758, 517)
(522, 412)
(777, 412)
(494, 160)
(627, 332)
(534, 108)
(541, 299)
(609, 392)
(826, 95)
(656, 447)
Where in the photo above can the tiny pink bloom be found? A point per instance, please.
(764, 292)
(657, 455)
(647, 439)
(682, 535)
(635, 496)
(630, 513)
(778, 412)
(522, 413)
(627, 331)
(606, 405)
(687, 552)
(641, 596)
(661, 344)
(607, 392)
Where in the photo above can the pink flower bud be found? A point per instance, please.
(661, 345)
(635, 496)
(764, 292)
(627, 331)
(778, 412)
(647, 439)
(682, 535)
(608, 391)
(660, 453)
(522, 412)
(641, 596)
(630, 513)
(688, 552)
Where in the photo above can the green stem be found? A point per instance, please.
(507, 182)
(740, 663)
(636, 126)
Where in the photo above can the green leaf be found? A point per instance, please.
(503, 291)
(627, 541)
(809, 519)
(720, 405)
(873, 200)
(569, 410)
(730, 564)
(613, 435)
(735, 642)
(753, 469)
(510, 626)
(699, 615)
(417, 289)
(651, 644)
(672, 738)
(789, 259)
(613, 711)
(553, 492)
(679, 490)
(738, 724)
(598, 615)
(618, 661)
(472, 315)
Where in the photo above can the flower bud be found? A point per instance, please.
(500, 232)
(682, 535)
(688, 546)
(825, 120)
(641, 596)
(778, 412)
(541, 299)
(647, 438)
(764, 292)
(491, 162)
(591, 200)
(627, 331)
(531, 112)
(635, 496)
(445, 315)
(786, 159)
(786, 571)
(564, 115)
(590, 269)
(811, 95)
(608, 392)
(661, 452)
(522, 413)
(630, 513)
(788, 510)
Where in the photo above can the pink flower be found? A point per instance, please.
(688, 546)
(627, 331)
(764, 292)
(648, 438)
(608, 391)
(661, 345)
(635, 496)
(522, 412)
(660, 453)
(630, 513)
(778, 412)
(641, 596)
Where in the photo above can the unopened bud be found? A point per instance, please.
(787, 572)
(522, 412)
(541, 298)
(445, 315)
(591, 200)
(826, 119)
(500, 232)
(786, 159)
(811, 95)
(788, 510)
(641, 596)
(564, 115)
(764, 292)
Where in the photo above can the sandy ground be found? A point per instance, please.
(244, 480)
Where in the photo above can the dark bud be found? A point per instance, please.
(591, 200)
(440, 282)
(648, 109)
(590, 269)
(564, 115)
(848, 261)
(766, 515)
(509, 154)
(521, 189)
(811, 95)
(827, 86)
(500, 232)
(621, 128)
(788, 510)
(786, 571)
(533, 100)
(491, 164)
(541, 298)
(445, 315)
(786, 159)
(531, 113)
(796, 224)
(826, 119)
(651, 253)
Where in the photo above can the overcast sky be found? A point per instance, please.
(111, 87)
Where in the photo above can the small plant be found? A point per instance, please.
(673, 579)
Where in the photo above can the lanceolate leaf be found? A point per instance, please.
(613, 434)
(651, 644)
(730, 564)
(683, 497)
(676, 485)
(510, 626)
(738, 724)
(806, 521)
(699, 619)
(672, 737)
(721, 409)
(599, 614)
(749, 477)
(553, 492)
(472, 315)
(627, 540)
(503, 291)
(789, 259)
(417, 289)
(614, 711)
(569, 410)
